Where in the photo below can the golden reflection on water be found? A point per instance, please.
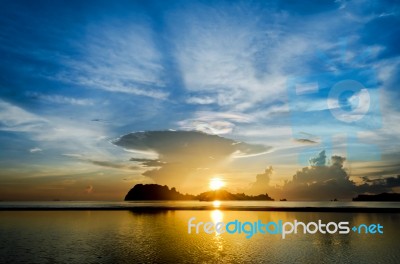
(129, 237)
(216, 216)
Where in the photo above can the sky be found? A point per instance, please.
(299, 100)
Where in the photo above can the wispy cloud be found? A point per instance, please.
(120, 57)
(218, 51)
(53, 132)
(14, 118)
(217, 123)
(60, 99)
(201, 100)
(35, 150)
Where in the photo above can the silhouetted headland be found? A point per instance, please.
(159, 192)
(155, 192)
(382, 197)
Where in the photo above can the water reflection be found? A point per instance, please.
(216, 216)
(162, 237)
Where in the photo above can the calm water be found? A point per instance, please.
(161, 236)
(230, 205)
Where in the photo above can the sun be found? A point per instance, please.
(216, 184)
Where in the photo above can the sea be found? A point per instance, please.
(158, 232)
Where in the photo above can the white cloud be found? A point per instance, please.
(217, 52)
(240, 60)
(14, 118)
(34, 150)
(234, 116)
(63, 134)
(210, 127)
(59, 99)
(200, 100)
(72, 155)
(217, 123)
(119, 58)
(117, 86)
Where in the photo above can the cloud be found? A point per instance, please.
(322, 181)
(262, 182)
(35, 150)
(114, 165)
(50, 131)
(217, 123)
(380, 185)
(306, 138)
(103, 163)
(60, 99)
(173, 145)
(319, 160)
(200, 100)
(15, 118)
(148, 162)
(181, 153)
(72, 155)
(228, 53)
(120, 57)
(217, 127)
(306, 141)
(218, 50)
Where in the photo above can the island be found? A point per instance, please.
(155, 192)
(158, 192)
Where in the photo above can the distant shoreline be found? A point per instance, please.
(199, 208)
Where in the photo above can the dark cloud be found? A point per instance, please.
(262, 181)
(102, 163)
(306, 141)
(306, 138)
(193, 143)
(393, 181)
(181, 153)
(322, 181)
(379, 185)
(388, 166)
(114, 165)
(141, 160)
(148, 162)
(337, 161)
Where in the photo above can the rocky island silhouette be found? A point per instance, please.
(159, 192)
(141, 192)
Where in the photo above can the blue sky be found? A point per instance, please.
(295, 78)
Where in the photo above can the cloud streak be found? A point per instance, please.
(59, 99)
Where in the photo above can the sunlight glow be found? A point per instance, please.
(216, 184)
(216, 204)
